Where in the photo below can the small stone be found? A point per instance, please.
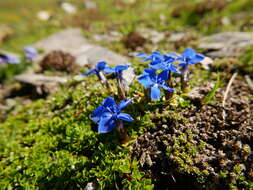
(90, 5)
(226, 44)
(43, 15)
(68, 8)
(90, 186)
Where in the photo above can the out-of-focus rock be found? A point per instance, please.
(227, 44)
(43, 15)
(72, 41)
(41, 83)
(68, 8)
(110, 37)
(153, 35)
(90, 5)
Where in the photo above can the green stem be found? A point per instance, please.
(168, 95)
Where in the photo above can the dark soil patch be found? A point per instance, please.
(59, 61)
(134, 40)
(205, 151)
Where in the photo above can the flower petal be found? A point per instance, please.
(109, 101)
(196, 59)
(163, 76)
(106, 124)
(90, 72)
(145, 80)
(189, 53)
(101, 65)
(142, 55)
(120, 68)
(97, 114)
(165, 87)
(108, 70)
(125, 117)
(124, 103)
(155, 93)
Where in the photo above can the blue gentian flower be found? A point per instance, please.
(116, 70)
(11, 59)
(166, 64)
(189, 57)
(99, 68)
(30, 52)
(149, 79)
(155, 57)
(109, 114)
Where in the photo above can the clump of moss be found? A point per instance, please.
(53, 144)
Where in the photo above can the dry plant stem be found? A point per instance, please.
(184, 79)
(226, 93)
(249, 81)
(121, 91)
(168, 95)
(104, 81)
(123, 136)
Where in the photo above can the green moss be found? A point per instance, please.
(49, 146)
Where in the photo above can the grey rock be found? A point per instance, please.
(42, 83)
(89, 5)
(226, 44)
(110, 37)
(72, 41)
(153, 35)
(90, 186)
(177, 36)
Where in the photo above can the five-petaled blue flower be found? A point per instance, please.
(99, 68)
(109, 114)
(149, 79)
(116, 70)
(189, 57)
(30, 52)
(161, 61)
(154, 58)
(11, 59)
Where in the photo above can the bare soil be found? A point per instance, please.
(227, 141)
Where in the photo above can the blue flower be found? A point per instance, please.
(108, 115)
(149, 79)
(11, 59)
(189, 57)
(167, 64)
(30, 52)
(155, 57)
(116, 70)
(99, 67)
(161, 61)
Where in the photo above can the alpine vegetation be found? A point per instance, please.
(157, 79)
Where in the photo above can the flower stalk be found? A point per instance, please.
(123, 136)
